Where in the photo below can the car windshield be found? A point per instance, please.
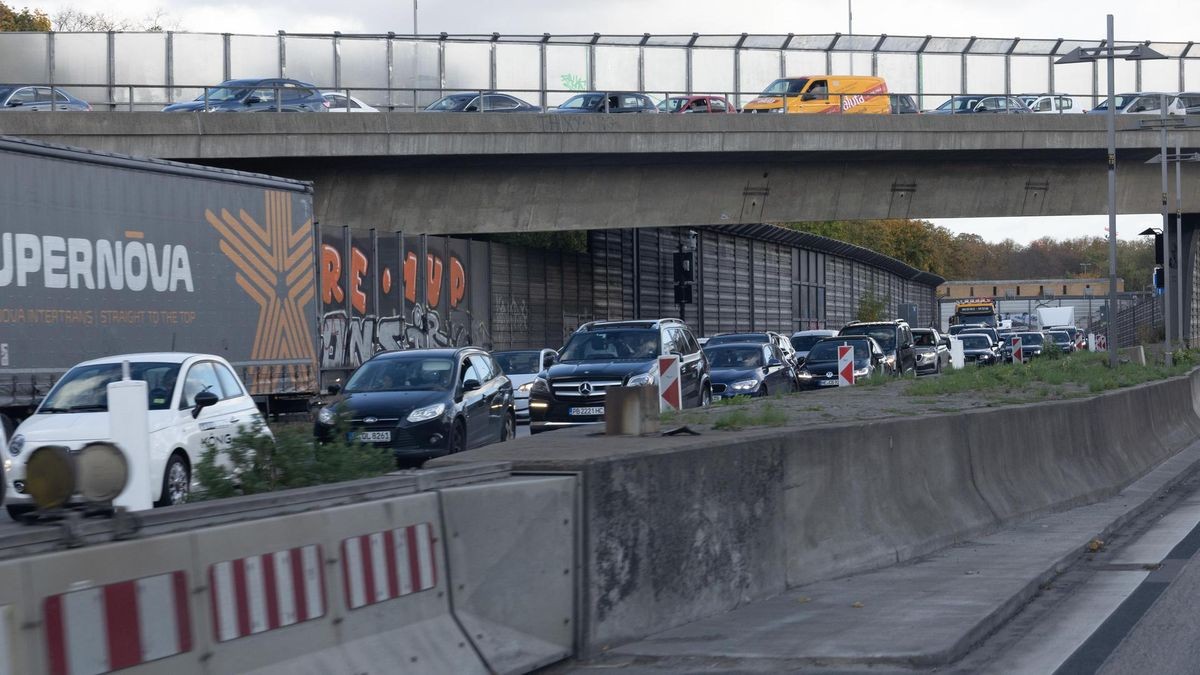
(85, 388)
(803, 343)
(981, 331)
(621, 344)
(412, 373)
(672, 104)
(761, 338)
(785, 86)
(221, 94)
(970, 341)
(450, 102)
(583, 101)
(827, 350)
(519, 363)
(1060, 336)
(735, 356)
(959, 103)
(923, 339)
(884, 335)
(1032, 339)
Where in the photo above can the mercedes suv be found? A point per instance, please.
(605, 354)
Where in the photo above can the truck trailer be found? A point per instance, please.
(107, 254)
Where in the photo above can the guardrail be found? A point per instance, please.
(142, 97)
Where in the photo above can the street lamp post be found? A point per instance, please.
(1108, 54)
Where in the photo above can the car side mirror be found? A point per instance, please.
(549, 360)
(251, 100)
(471, 385)
(204, 399)
(334, 389)
(15, 104)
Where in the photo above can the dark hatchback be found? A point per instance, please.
(493, 102)
(262, 95)
(747, 369)
(424, 403)
(978, 349)
(820, 368)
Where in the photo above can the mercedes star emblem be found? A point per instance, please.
(585, 388)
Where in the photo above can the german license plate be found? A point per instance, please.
(829, 383)
(590, 411)
(374, 436)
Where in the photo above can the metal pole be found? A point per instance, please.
(415, 32)
(1166, 218)
(850, 29)
(1111, 117)
(1183, 335)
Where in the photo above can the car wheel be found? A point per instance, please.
(458, 438)
(764, 391)
(18, 511)
(705, 396)
(509, 431)
(177, 482)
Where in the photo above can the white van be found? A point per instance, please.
(195, 399)
(1050, 103)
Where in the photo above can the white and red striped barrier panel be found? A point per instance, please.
(264, 592)
(845, 366)
(670, 391)
(119, 625)
(387, 565)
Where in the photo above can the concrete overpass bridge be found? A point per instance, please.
(487, 173)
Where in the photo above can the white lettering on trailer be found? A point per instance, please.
(81, 263)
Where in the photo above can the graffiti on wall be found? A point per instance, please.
(409, 313)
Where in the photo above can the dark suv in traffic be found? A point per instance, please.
(896, 339)
(605, 354)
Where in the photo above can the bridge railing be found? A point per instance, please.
(115, 68)
(144, 98)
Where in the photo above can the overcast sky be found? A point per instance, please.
(1171, 20)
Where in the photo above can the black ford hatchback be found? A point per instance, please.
(425, 403)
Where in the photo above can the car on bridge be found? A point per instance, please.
(989, 104)
(1142, 103)
(1049, 103)
(423, 403)
(748, 369)
(18, 98)
(343, 103)
(903, 104)
(850, 94)
(612, 102)
(604, 354)
(256, 95)
(696, 104)
(195, 401)
(492, 102)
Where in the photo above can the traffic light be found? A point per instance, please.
(685, 266)
(683, 294)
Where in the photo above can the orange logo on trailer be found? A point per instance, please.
(274, 268)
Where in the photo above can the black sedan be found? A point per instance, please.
(493, 102)
(424, 403)
(747, 369)
(820, 368)
(259, 95)
(18, 98)
(978, 349)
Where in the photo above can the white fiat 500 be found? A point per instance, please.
(195, 399)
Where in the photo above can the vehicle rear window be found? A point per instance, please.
(735, 356)
(519, 363)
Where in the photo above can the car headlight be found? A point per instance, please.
(744, 385)
(865, 371)
(526, 387)
(16, 445)
(540, 386)
(804, 374)
(429, 412)
(643, 379)
(326, 416)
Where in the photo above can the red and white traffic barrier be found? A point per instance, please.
(119, 625)
(386, 565)
(264, 592)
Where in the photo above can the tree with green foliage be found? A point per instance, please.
(25, 19)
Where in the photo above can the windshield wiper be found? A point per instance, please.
(52, 410)
(90, 407)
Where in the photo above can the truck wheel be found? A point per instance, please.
(177, 482)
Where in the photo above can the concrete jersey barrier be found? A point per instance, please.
(688, 528)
